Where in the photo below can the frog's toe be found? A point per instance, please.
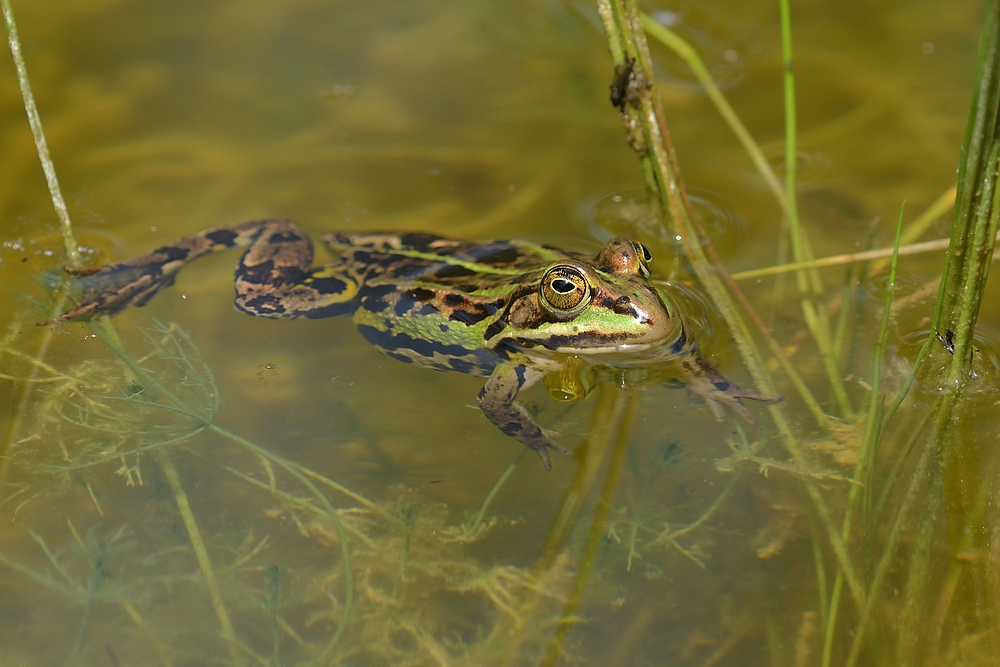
(543, 454)
(542, 448)
(720, 414)
(110, 289)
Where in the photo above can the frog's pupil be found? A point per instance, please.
(648, 256)
(563, 286)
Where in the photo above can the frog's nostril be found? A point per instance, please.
(623, 305)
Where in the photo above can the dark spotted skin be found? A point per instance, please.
(476, 308)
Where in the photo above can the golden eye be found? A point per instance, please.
(642, 251)
(564, 288)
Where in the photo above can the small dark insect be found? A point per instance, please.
(948, 340)
(619, 84)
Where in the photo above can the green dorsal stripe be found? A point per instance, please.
(544, 254)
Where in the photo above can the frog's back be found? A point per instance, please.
(430, 300)
(429, 257)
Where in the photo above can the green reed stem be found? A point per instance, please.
(863, 471)
(604, 419)
(201, 553)
(477, 521)
(623, 29)
(690, 56)
(65, 226)
(597, 532)
(891, 544)
(967, 265)
(673, 41)
(943, 204)
(26, 391)
(819, 563)
(810, 291)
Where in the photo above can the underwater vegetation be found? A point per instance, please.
(854, 523)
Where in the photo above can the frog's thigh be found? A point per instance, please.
(498, 400)
(273, 279)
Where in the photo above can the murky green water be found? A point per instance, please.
(478, 120)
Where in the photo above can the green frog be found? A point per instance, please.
(511, 311)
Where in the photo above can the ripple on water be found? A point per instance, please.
(810, 166)
(984, 379)
(717, 44)
(907, 283)
(626, 213)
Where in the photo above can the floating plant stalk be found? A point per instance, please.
(598, 529)
(947, 473)
(861, 496)
(644, 113)
(810, 286)
(58, 203)
(65, 226)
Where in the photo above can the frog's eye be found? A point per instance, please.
(564, 288)
(642, 251)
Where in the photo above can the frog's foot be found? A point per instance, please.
(498, 401)
(114, 287)
(715, 389)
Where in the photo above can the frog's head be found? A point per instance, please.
(592, 306)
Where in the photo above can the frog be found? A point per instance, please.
(511, 311)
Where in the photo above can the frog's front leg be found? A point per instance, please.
(498, 400)
(704, 381)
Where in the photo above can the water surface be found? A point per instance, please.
(479, 120)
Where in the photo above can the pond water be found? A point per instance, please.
(132, 532)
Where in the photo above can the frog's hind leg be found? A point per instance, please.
(704, 381)
(279, 258)
(498, 401)
(274, 278)
(111, 288)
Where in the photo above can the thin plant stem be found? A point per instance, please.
(62, 212)
(200, 552)
(892, 541)
(863, 471)
(705, 516)
(815, 317)
(943, 204)
(840, 260)
(604, 420)
(624, 33)
(477, 520)
(820, 565)
(785, 200)
(960, 294)
(597, 532)
(140, 623)
(672, 40)
(65, 226)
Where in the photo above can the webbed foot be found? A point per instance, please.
(498, 401)
(704, 381)
(114, 287)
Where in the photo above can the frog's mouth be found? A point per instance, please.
(662, 349)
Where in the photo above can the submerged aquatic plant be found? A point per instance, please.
(117, 425)
(316, 573)
(932, 458)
